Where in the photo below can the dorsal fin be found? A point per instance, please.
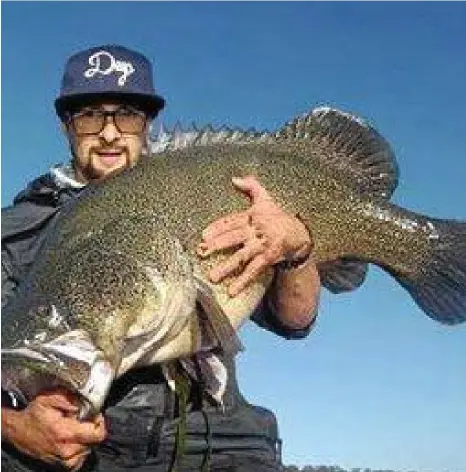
(343, 141)
(349, 144)
(179, 138)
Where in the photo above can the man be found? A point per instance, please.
(106, 104)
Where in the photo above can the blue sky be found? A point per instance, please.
(377, 384)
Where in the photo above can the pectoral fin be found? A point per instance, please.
(342, 275)
(216, 327)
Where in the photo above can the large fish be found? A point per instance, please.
(118, 283)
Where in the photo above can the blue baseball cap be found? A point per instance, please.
(109, 71)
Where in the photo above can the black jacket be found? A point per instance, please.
(140, 398)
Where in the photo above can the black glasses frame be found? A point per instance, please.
(71, 117)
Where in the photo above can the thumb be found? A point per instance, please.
(251, 187)
(59, 399)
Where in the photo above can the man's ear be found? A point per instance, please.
(146, 144)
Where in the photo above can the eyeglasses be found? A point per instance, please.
(90, 121)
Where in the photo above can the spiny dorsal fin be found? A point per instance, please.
(349, 144)
(341, 140)
(179, 138)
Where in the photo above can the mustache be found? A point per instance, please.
(101, 148)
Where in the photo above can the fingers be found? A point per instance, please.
(237, 221)
(260, 237)
(247, 234)
(60, 399)
(74, 452)
(223, 241)
(232, 222)
(75, 435)
(255, 268)
(48, 429)
(90, 432)
(67, 452)
(237, 262)
(75, 461)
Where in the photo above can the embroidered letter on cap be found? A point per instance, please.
(97, 60)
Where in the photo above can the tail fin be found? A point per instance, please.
(440, 290)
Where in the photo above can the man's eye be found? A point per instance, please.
(90, 113)
(125, 112)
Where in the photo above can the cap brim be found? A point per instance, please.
(151, 104)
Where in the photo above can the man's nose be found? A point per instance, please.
(110, 132)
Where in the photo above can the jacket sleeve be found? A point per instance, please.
(8, 280)
(23, 232)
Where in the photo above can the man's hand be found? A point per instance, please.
(48, 429)
(265, 233)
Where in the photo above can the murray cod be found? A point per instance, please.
(118, 283)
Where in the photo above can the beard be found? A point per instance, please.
(94, 171)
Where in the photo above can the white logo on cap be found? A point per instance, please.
(125, 68)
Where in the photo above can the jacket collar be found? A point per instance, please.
(51, 186)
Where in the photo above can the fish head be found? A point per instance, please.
(69, 361)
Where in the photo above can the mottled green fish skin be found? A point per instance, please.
(191, 187)
(333, 171)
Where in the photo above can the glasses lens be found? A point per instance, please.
(92, 121)
(129, 120)
(88, 121)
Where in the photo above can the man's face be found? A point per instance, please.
(103, 144)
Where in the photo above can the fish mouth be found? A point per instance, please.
(70, 361)
(26, 371)
(23, 388)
